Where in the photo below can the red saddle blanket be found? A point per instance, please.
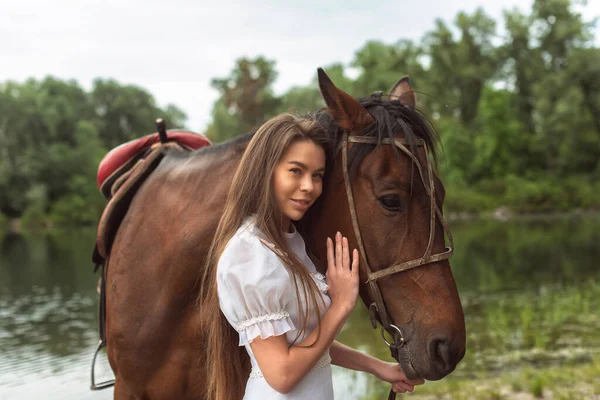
(127, 153)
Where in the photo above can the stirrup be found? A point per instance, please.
(101, 385)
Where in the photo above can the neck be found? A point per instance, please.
(286, 225)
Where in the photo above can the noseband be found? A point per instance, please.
(377, 308)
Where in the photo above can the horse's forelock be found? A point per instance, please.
(391, 117)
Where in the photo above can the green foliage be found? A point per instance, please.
(537, 387)
(53, 134)
(518, 118)
(464, 199)
(518, 115)
(302, 100)
(549, 194)
(246, 100)
(380, 64)
(125, 112)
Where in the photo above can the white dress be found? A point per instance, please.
(258, 298)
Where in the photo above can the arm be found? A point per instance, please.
(344, 356)
(283, 366)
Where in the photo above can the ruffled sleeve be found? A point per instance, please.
(254, 289)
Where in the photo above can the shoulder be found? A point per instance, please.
(248, 255)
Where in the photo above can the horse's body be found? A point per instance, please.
(154, 343)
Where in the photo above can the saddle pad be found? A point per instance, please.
(123, 153)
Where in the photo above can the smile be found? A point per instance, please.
(302, 203)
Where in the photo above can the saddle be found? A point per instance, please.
(121, 173)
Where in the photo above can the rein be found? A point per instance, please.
(377, 307)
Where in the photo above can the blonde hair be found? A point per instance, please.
(251, 193)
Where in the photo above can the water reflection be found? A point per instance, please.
(529, 287)
(47, 314)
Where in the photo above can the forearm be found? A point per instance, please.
(347, 357)
(285, 368)
(301, 359)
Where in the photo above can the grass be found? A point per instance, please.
(561, 382)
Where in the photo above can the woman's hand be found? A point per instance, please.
(342, 277)
(392, 373)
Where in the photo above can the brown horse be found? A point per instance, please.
(386, 203)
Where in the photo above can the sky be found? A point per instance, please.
(174, 48)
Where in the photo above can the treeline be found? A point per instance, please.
(516, 105)
(53, 134)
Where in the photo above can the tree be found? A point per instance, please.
(461, 68)
(246, 95)
(126, 112)
(382, 65)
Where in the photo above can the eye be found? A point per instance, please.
(392, 202)
(295, 171)
(318, 176)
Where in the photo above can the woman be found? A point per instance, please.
(272, 300)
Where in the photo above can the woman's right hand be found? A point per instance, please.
(342, 277)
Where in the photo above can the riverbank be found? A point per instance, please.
(16, 225)
(529, 287)
(569, 382)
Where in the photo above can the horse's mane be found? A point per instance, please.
(391, 117)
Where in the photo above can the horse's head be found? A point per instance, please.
(381, 188)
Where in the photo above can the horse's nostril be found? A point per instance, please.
(440, 354)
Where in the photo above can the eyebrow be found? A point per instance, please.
(302, 165)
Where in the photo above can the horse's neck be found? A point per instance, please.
(216, 161)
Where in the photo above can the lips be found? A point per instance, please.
(301, 203)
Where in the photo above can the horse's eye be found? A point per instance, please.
(392, 202)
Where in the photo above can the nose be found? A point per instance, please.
(444, 354)
(306, 184)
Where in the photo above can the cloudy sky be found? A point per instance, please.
(173, 48)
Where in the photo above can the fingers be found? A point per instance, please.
(397, 389)
(338, 250)
(345, 254)
(338, 254)
(330, 257)
(402, 387)
(355, 262)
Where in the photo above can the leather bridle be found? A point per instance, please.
(377, 307)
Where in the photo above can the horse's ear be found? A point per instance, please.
(346, 110)
(403, 91)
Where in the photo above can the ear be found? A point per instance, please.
(347, 111)
(403, 91)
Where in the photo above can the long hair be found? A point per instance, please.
(251, 194)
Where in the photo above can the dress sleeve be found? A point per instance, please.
(254, 290)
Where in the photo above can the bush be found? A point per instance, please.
(537, 387)
(73, 209)
(34, 217)
(462, 199)
(545, 194)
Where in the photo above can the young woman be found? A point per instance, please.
(272, 300)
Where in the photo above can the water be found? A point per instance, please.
(530, 289)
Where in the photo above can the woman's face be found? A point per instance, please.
(298, 179)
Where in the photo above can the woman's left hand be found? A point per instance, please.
(392, 373)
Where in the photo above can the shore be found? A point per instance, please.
(567, 382)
